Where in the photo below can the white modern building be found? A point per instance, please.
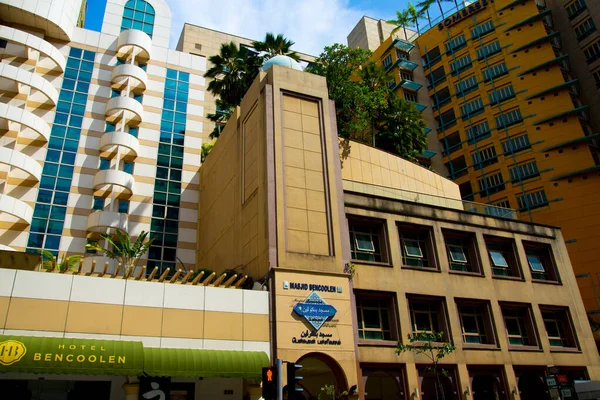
(98, 130)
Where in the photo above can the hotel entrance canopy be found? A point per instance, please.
(46, 355)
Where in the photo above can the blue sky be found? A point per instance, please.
(307, 22)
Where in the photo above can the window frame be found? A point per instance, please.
(526, 323)
(382, 235)
(468, 243)
(487, 319)
(423, 235)
(508, 250)
(545, 255)
(392, 315)
(567, 326)
(441, 312)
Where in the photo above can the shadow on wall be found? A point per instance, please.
(344, 145)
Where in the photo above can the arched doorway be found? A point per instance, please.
(318, 370)
(383, 385)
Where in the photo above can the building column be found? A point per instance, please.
(132, 391)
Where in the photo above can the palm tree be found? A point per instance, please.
(49, 261)
(424, 6)
(275, 45)
(414, 15)
(402, 129)
(232, 73)
(402, 21)
(123, 250)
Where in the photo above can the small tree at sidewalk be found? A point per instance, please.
(432, 346)
(121, 248)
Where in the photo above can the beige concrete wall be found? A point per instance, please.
(399, 280)
(365, 164)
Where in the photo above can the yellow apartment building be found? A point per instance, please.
(512, 128)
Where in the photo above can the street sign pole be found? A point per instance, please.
(279, 367)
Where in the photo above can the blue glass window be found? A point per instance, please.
(128, 167)
(98, 203)
(110, 127)
(138, 14)
(124, 206)
(104, 164)
(134, 131)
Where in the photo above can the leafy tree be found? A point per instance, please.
(402, 129)
(123, 250)
(432, 346)
(375, 79)
(49, 261)
(275, 45)
(424, 6)
(414, 15)
(329, 392)
(206, 148)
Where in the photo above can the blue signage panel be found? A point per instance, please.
(314, 310)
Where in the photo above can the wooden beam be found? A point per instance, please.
(228, 281)
(151, 276)
(186, 277)
(164, 275)
(197, 278)
(208, 279)
(175, 276)
(219, 280)
(239, 283)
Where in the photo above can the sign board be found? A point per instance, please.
(551, 381)
(314, 310)
(562, 379)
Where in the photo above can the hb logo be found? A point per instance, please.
(11, 352)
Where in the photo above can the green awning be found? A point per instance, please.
(535, 17)
(537, 41)
(45, 355)
(204, 363)
(553, 89)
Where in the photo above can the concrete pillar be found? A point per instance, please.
(132, 391)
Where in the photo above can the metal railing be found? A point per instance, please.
(429, 199)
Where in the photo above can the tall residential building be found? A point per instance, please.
(370, 33)
(101, 130)
(513, 129)
(576, 20)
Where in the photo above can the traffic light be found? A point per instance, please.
(269, 383)
(292, 380)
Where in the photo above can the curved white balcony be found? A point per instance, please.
(21, 161)
(56, 18)
(46, 50)
(6, 248)
(100, 221)
(16, 208)
(42, 91)
(128, 109)
(26, 119)
(113, 177)
(137, 76)
(123, 139)
(133, 42)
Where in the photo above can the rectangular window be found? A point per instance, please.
(98, 203)
(465, 86)
(428, 315)
(110, 127)
(124, 206)
(432, 57)
(104, 164)
(461, 248)
(368, 240)
(471, 108)
(518, 322)
(134, 131)
(476, 322)
(455, 44)
(478, 132)
(406, 76)
(410, 96)
(585, 28)
(531, 200)
(482, 29)
(541, 261)
(128, 167)
(524, 171)
(376, 314)
(387, 61)
(416, 246)
(502, 256)
(491, 184)
(446, 120)
(596, 75)
(509, 118)
(88, 251)
(516, 144)
(501, 94)
(575, 8)
(494, 72)
(484, 157)
(592, 52)
(559, 328)
(441, 97)
(436, 77)
(115, 93)
(461, 64)
(401, 55)
(457, 167)
(489, 50)
(451, 143)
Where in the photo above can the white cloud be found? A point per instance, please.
(312, 24)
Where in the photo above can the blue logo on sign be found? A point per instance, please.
(314, 310)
